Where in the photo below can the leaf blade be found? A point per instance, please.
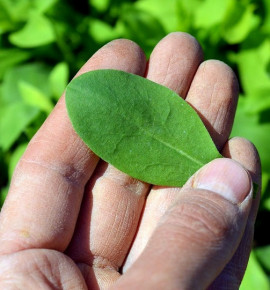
(125, 118)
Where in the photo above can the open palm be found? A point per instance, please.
(72, 221)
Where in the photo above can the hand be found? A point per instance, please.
(71, 221)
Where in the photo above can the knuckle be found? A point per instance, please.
(202, 219)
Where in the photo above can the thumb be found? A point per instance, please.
(199, 234)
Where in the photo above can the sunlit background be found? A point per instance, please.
(44, 43)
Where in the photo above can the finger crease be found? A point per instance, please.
(70, 175)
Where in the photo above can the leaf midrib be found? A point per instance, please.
(188, 156)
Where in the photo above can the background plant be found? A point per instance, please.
(43, 44)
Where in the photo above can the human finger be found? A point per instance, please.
(110, 230)
(199, 234)
(45, 195)
(173, 63)
(213, 94)
(39, 269)
(245, 153)
(107, 223)
(212, 90)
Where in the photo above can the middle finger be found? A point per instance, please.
(213, 93)
(115, 201)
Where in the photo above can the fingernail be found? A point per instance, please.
(226, 178)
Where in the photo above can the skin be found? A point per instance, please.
(71, 221)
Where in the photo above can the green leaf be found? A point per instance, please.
(37, 31)
(3, 169)
(142, 128)
(248, 126)
(258, 103)
(10, 57)
(265, 197)
(167, 14)
(263, 255)
(58, 79)
(101, 31)
(100, 5)
(254, 278)
(14, 118)
(253, 62)
(266, 9)
(141, 26)
(1, 101)
(3, 194)
(35, 74)
(43, 6)
(240, 21)
(14, 10)
(186, 14)
(210, 13)
(34, 97)
(6, 23)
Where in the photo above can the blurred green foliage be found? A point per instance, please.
(44, 43)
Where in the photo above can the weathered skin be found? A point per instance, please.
(58, 230)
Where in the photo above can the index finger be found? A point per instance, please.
(45, 195)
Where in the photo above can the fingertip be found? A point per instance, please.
(120, 54)
(226, 178)
(244, 152)
(174, 61)
(183, 37)
(213, 94)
